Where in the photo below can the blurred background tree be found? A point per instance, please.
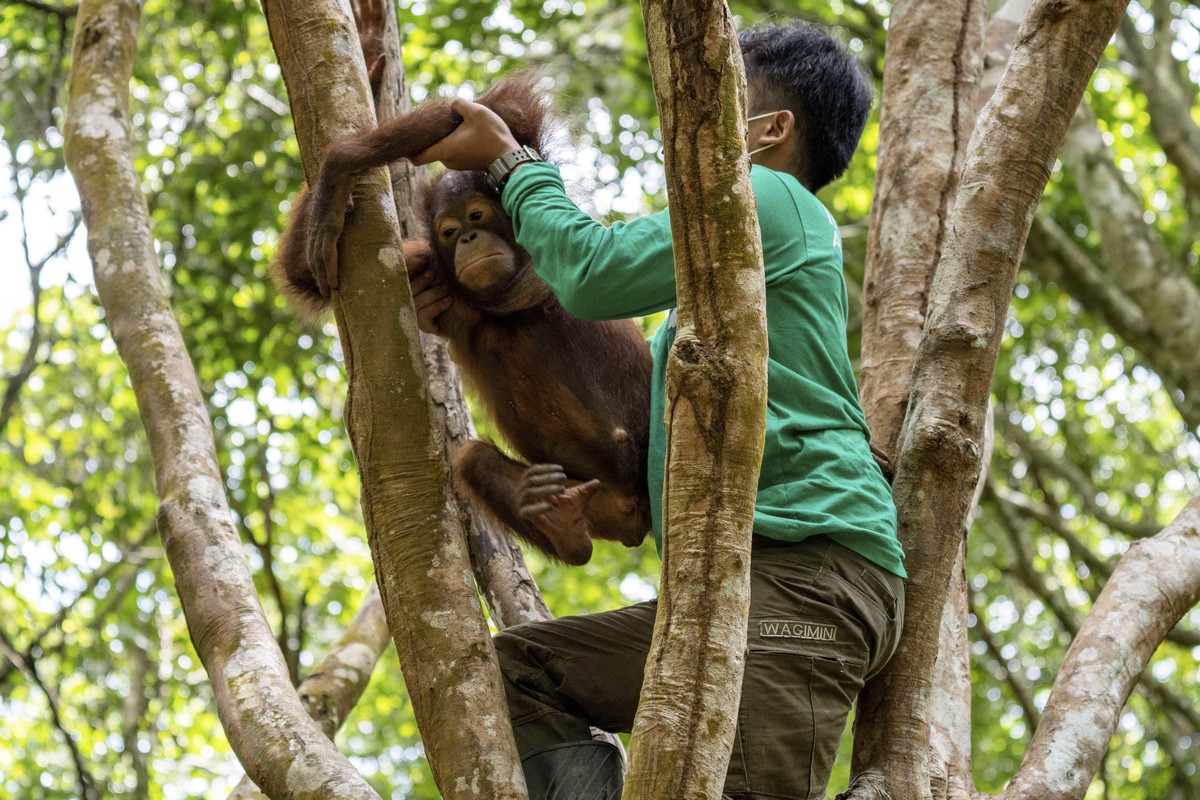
(100, 690)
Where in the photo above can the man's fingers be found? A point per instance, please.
(460, 136)
(480, 139)
(427, 156)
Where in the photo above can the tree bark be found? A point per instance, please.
(266, 725)
(418, 545)
(933, 63)
(500, 571)
(950, 705)
(1156, 582)
(715, 412)
(931, 67)
(950, 774)
(335, 685)
(1007, 167)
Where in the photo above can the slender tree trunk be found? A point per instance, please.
(1008, 164)
(336, 684)
(716, 408)
(500, 571)
(266, 725)
(417, 544)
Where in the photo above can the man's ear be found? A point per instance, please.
(777, 128)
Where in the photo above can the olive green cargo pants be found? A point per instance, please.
(823, 619)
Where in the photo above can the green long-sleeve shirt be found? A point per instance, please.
(818, 476)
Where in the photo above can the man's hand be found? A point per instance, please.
(476, 143)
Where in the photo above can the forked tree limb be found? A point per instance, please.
(1008, 164)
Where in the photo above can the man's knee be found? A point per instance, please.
(519, 653)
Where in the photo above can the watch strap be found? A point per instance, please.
(498, 171)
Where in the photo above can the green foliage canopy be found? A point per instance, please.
(97, 672)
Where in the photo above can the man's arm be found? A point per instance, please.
(597, 272)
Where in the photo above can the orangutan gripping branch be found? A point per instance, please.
(571, 397)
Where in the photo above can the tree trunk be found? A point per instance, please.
(266, 725)
(335, 685)
(418, 545)
(931, 67)
(1008, 164)
(715, 412)
(504, 581)
(933, 62)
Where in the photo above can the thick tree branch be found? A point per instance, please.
(1167, 91)
(261, 714)
(931, 65)
(1006, 170)
(1140, 262)
(950, 770)
(715, 408)
(1054, 599)
(1156, 582)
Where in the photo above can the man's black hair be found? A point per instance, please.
(802, 69)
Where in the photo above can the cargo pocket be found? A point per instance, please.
(799, 686)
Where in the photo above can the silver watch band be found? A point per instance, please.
(500, 169)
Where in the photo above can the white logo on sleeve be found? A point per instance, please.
(837, 234)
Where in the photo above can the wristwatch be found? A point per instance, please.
(500, 169)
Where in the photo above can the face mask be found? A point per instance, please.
(765, 146)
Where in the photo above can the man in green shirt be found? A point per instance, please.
(827, 570)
